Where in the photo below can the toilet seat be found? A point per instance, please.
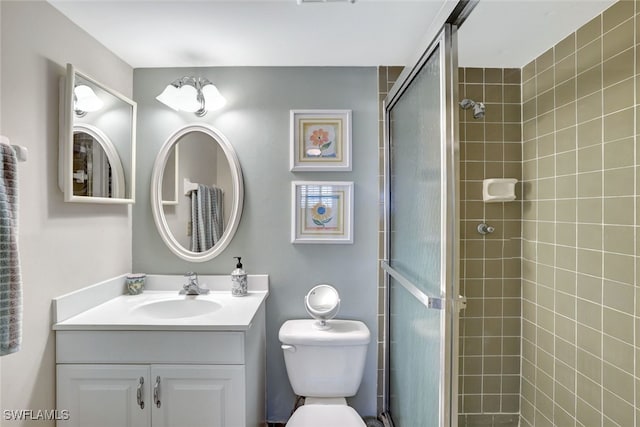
(325, 415)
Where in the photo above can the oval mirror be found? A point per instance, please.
(322, 303)
(97, 142)
(203, 219)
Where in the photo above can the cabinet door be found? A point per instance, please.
(198, 395)
(104, 395)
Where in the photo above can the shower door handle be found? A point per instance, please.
(434, 303)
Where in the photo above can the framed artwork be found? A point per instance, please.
(320, 140)
(321, 212)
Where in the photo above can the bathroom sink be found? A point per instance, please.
(177, 308)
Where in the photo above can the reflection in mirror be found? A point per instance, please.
(205, 216)
(97, 170)
(204, 172)
(97, 142)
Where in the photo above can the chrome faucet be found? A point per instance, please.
(192, 287)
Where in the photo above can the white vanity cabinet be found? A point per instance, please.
(153, 395)
(120, 364)
(162, 378)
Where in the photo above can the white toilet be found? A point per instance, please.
(325, 362)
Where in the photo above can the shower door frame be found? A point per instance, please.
(448, 300)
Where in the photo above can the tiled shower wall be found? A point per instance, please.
(580, 344)
(490, 147)
(387, 76)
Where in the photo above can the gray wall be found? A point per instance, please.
(256, 121)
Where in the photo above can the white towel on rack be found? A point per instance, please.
(10, 278)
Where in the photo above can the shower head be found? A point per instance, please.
(478, 107)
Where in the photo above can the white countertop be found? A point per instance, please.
(122, 312)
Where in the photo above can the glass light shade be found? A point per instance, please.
(212, 97)
(187, 99)
(86, 99)
(168, 97)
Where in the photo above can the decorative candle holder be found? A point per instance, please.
(135, 283)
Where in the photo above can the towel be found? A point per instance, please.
(10, 279)
(207, 217)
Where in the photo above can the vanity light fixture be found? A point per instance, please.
(85, 100)
(192, 94)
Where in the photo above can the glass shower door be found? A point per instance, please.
(421, 242)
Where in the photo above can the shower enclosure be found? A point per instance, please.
(421, 271)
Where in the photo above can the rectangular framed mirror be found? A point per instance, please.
(97, 142)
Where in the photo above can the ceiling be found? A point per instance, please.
(193, 33)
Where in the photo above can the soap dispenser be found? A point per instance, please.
(238, 280)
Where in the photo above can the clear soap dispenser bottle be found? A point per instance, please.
(238, 280)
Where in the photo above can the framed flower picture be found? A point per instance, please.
(320, 140)
(321, 212)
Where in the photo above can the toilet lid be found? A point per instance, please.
(325, 415)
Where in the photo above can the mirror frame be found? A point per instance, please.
(65, 143)
(156, 194)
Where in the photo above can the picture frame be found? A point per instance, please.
(322, 212)
(320, 140)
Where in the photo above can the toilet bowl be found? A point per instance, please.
(325, 365)
(315, 413)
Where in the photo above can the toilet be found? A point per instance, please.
(325, 362)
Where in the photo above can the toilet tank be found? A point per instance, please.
(324, 362)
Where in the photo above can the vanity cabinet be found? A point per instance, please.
(152, 395)
(162, 378)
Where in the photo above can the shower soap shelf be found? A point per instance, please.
(499, 190)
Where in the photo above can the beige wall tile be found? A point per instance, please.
(619, 182)
(618, 68)
(590, 184)
(474, 75)
(565, 47)
(618, 353)
(619, 268)
(590, 159)
(512, 76)
(590, 236)
(619, 210)
(619, 39)
(589, 365)
(618, 325)
(565, 92)
(589, 32)
(590, 133)
(565, 116)
(619, 125)
(566, 210)
(566, 163)
(619, 296)
(619, 153)
(619, 239)
(616, 14)
(565, 69)
(589, 55)
(566, 139)
(590, 107)
(591, 80)
(529, 109)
